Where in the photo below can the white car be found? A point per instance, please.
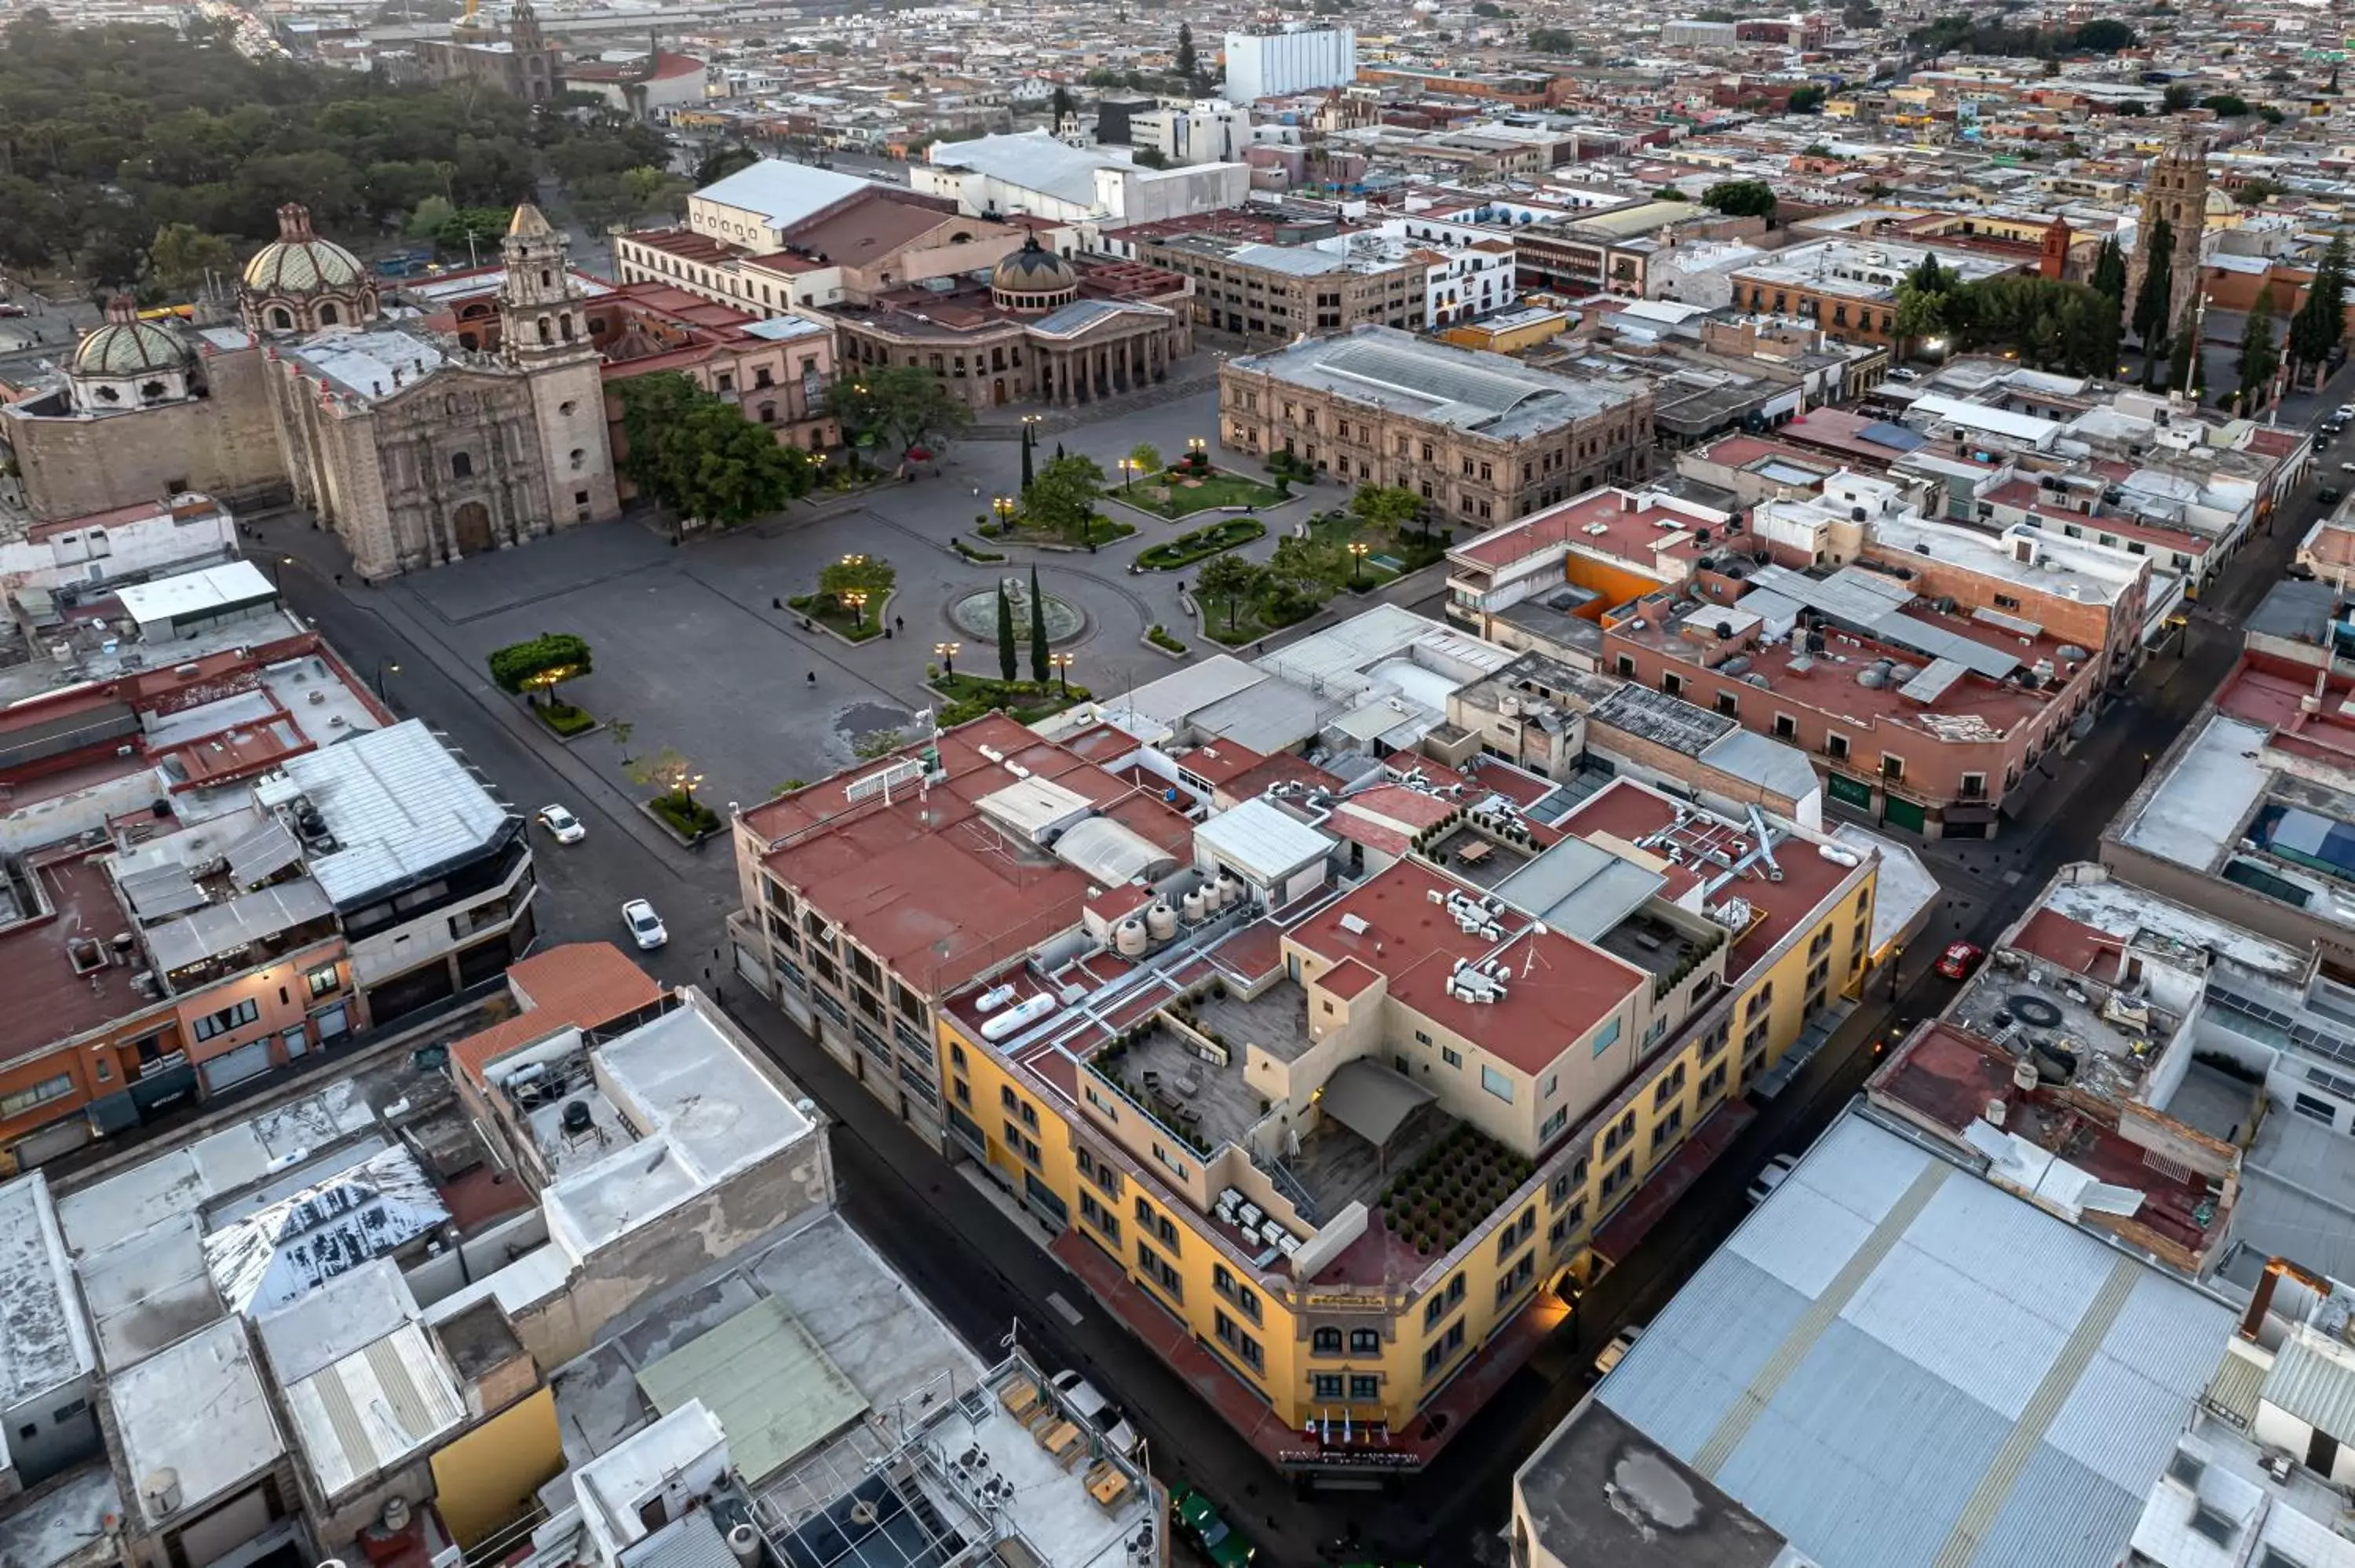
(1082, 1399)
(645, 925)
(562, 824)
(2346, 413)
(1762, 1185)
(1901, 374)
(1616, 1350)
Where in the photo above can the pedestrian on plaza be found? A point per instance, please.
(776, 603)
(813, 677)
(901, 621)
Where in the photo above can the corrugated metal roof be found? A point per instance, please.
(2316, 1389)
(400, 804)
(1259, 840)
(775, 1392)
(1996, 1387)
(694, 1541)
(373, 1409)
(2232, 1392)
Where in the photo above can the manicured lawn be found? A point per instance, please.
(835, 619)
(564, 718)
(1102, 530)
(1201, 543)
(689, 818)
(1165, 498)
(1024, 702)
(1253, 620)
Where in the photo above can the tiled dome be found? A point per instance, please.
(299, 263)
(126, 346)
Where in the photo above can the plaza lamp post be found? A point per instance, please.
(856, 599)
(278, 573)
(683, 785)
(947, 654)
(1197, 448)
(1358, 548)
(1127, 474)
(383, 669)
(1062, 666)
(1003, 507)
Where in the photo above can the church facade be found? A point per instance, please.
(413, 450)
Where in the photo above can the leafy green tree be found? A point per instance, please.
(1553, 41)
(2176, 99)
(1144, 457)
(1669, 192)
(183, 254)
(2105, 35)
(1039, 666)
(1063, 105)
(430, 216)
(541, 665)
(2260, 354)
(473, 232)
(1808, 100)
(2151, 306)
(1007, 663)
(1188, 66)
(2225, 105)
(1742, 198)
(899, 406)
(672, 775)
(2319, 325)
(1062, 498)
(1229, 578)
(723, 160)
(870, 575)
(698, 455)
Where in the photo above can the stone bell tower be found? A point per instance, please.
(544, 333)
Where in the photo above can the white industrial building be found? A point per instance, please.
(1035, 174)
(1299, 59)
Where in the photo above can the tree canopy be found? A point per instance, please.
(900, 406)
(1062, 497)
(1740, 198)
(2316, 330)
(1991, 35)
(698, 455)
(540, 664)
(111, 134)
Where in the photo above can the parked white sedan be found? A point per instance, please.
(562, 825)
(645, 925)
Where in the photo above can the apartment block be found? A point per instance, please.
(1223, 1057)
(1482, 437)
(208, 868)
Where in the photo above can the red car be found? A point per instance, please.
(1958, 960)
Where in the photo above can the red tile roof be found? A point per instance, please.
(576, 986)
(1561, 989)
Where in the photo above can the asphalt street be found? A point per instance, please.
(983, 1269)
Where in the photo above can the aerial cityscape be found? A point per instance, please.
(1083, 784)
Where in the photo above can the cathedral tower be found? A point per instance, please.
(2174, 188)
(544, 333)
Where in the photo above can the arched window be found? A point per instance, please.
(468, 340)
(1365, 1342)
(1325, 1343)
(545, 335)
(327, 314)
(564, 328)
(546, 279)
(462, 465)
(281, 318)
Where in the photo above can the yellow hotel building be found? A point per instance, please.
(1339, 1133)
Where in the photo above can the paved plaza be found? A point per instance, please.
(694, 650)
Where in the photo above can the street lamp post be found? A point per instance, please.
(684, 783)
(1062, 666)
(946, 652)
(1358, 548)
(856, 599)
(1003, 507)
(1127, 475)
(382, 670)
(277, 573)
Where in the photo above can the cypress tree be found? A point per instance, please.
(1038, 631)
(1030, 444)
(2150, 307)
(1006, 664)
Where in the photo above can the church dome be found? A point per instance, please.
(126, 346)
(299, 263)
(1034, 279)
